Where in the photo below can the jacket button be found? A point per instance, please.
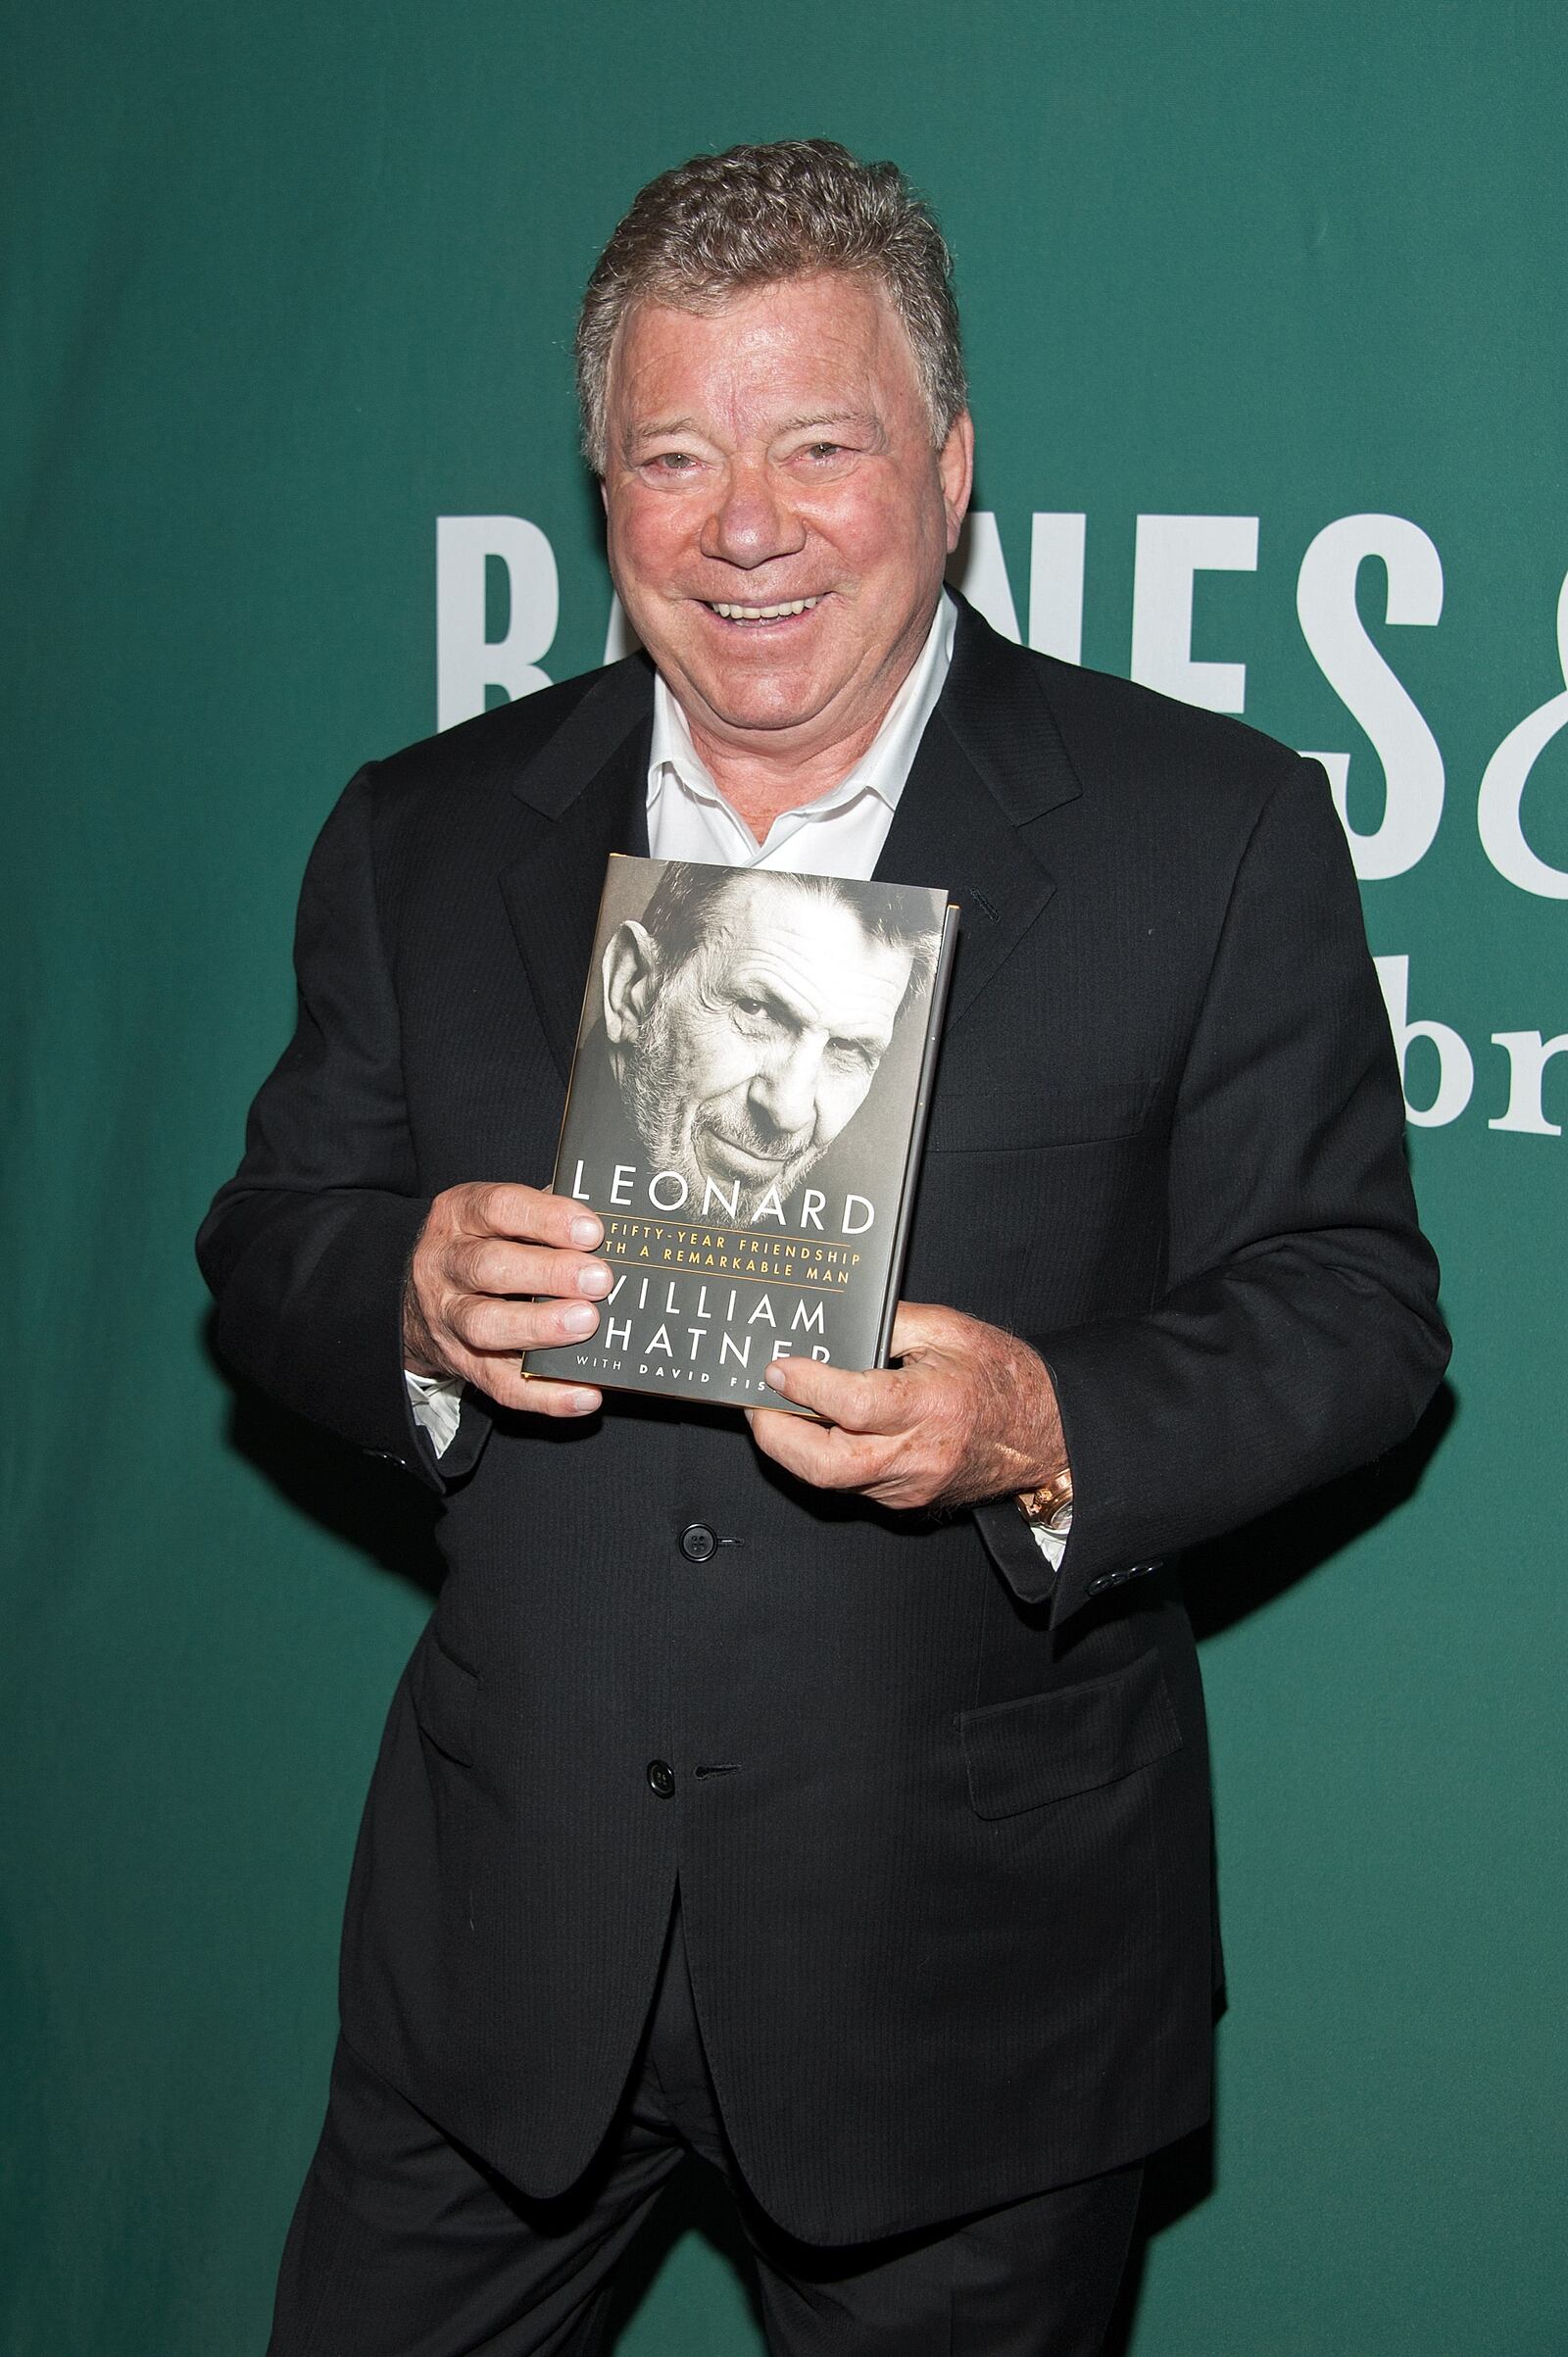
(697, 1543)
(661, 1778)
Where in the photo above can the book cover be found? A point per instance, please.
(748, 1096)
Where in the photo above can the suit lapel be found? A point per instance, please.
(991, 765)
(585, 797)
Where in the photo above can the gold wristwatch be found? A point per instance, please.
(1049, 1508)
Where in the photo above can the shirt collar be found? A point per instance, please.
(882, 769)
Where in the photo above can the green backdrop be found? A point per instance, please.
(286, 284)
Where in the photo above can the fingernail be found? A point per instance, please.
(775, 1370)
(595, 1280)
(585, 1232)
(579, 1318)
(583, 1403)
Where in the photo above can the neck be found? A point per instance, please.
(760, 786)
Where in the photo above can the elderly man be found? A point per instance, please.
(735, 1801)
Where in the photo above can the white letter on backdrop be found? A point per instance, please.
(620, 636)
(1527, 1057)
(1056, 581)
(467, 663)
(1170, 551)
(1057, 587)
(979, 568)
(1325, 601)
(1457, 1072)
(1502, 837)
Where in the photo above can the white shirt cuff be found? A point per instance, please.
(1053, 1545)
(437, 1404)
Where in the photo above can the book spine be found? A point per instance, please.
(940, 979)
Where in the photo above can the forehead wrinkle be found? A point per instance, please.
(793, 969)
(828, 414)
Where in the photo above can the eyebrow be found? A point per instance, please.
(656, 429)
(659, 427)
(810, 418)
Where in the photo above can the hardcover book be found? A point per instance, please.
(748, 1098)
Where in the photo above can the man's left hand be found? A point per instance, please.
(970, 1413)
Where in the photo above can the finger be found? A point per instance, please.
(876, 1402)
(505, 1208)
(481, 1322)
(505, 1382)
(543, 1396)
(818, 1453)
(493, 1264)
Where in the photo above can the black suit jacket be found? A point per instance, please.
(940, 1820)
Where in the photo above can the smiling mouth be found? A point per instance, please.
(785, 611)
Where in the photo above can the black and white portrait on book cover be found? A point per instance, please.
(744, 1113)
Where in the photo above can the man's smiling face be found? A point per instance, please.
(753, 1053)
(779, 517)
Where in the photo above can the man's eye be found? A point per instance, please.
(856, 1054)
(824, 450)
(758, 1016)
(671, 461)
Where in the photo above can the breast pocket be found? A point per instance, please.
(1036, 1205)
(1046, 1747)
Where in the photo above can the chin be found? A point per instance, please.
(762, 687)
(755, 702)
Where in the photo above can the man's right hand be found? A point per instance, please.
(481, 1249)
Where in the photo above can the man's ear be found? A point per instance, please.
(630, 975)
(956, 469)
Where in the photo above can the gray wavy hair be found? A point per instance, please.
(720, 224)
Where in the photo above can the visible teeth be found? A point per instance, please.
(764, 614)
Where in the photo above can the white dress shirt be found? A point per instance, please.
(839, 833)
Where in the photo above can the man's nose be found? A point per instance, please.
(752, 520)
(784, 1091)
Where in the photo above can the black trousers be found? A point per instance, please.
(405, 2245)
